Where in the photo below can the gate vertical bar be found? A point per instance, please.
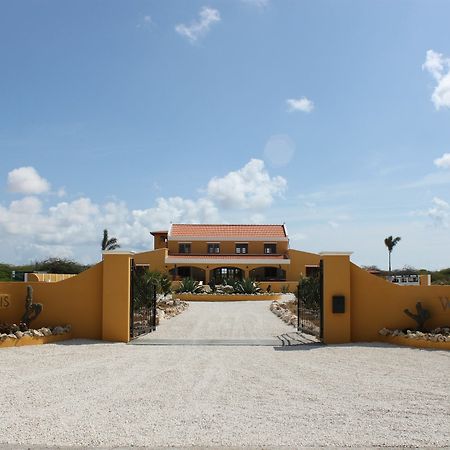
(321, 297)
(132, 275)
(153, 315)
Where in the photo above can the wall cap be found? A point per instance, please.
(117, 252)
(335, 253)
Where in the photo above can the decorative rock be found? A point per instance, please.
(12, 336)
(46, 331)
(3, 336)
(18, 334)
(228, 289)
(384, 332)
(58, 330)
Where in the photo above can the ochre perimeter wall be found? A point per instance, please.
(76, 301)
(377, 304)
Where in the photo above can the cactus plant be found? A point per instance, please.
(32, 310)
(421, 317)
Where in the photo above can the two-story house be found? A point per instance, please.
(206, 252)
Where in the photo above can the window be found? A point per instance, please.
(184, 248)
(270, 248)
(213, 248)
(312, 271)
(241, 248)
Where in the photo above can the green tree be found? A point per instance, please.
(58, 265)
(390, 243)
(109, 243)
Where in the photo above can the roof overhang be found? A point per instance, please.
(227, 261)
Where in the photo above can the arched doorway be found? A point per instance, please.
(226, 273)
(268, 274)
(197, 274)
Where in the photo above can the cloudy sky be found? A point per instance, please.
(331, 116)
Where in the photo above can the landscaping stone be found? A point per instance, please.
(58, 330)
(437, 335)
(18, 334)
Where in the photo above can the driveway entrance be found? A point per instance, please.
(225, 323)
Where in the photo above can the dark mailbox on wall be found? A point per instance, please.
(338, 304)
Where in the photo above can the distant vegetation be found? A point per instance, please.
(437, 277)
(51, 265)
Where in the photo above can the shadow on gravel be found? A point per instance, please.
(71, 342)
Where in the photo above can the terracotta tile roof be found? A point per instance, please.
(179, 230)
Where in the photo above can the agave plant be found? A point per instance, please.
(165, 284)
(189, 285)
(247, 286)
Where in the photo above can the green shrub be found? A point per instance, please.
(247, 286)
(309, 291)
(189, 285)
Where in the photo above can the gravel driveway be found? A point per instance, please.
(88, 393)
(222, 320)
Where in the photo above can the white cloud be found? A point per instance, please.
(26, 180)
(30, 230)
(443, 162)
(257, 3)
(439, 67)
(248, 188)
(145, 21)
(279, 150)
(300, 104)
(197, 29)
(439, 213)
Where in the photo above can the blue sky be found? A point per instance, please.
(331, 116)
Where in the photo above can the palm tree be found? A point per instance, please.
(390, 243)
(109, 244)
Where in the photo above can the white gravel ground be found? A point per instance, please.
(223, 320)
(92, 393)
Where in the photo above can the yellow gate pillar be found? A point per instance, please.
(336, 297)
(116, 296)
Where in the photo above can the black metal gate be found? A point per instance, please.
(142, 302)
(310, 304)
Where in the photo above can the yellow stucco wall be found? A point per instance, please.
(116, 296)
(49, 277)
(336, 276)
(76, 301)
(378, 304)
(154, 258)
(299, 261)
(228, 247)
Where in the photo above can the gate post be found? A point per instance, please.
(116, 296)
(336, 297)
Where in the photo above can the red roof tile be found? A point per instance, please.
(179, 230)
